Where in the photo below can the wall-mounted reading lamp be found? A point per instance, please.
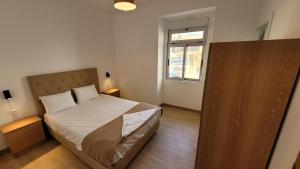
(8, 97)
(108, 80)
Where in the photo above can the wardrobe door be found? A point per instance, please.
(297, 163)
(247, 90)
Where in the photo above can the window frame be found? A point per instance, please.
(185, 44)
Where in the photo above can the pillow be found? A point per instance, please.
(58, 102)
(86, 93)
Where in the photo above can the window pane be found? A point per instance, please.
(187, 36)
(176, 62)
(193, 62)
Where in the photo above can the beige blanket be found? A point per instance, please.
(106, 144)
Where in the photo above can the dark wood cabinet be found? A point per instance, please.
(247, 90)
(297, 163)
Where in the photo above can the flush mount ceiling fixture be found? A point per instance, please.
(125, 5)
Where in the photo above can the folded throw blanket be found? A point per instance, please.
(133, 121)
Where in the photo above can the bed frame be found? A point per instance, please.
(42, 85)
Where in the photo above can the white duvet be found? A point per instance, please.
(76, 123)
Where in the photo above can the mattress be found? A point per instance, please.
(101, 114)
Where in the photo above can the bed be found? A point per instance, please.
(93, 130)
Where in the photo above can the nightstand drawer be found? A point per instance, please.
(25, 137)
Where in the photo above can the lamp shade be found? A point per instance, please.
(7, 94)
(107, 75)
(125, 5)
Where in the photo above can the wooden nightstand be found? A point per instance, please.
(113, 92)
(23, 134)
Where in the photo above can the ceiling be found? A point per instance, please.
(109, 3)
(104, 3)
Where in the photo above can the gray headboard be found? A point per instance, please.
(43, 85)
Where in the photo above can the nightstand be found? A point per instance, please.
(113, 92)
(23, 134)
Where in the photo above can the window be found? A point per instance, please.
(185, 53)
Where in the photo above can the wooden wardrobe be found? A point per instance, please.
(297, 163)
(247, 90)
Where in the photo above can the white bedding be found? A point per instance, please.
(76, 123)
(133, 121)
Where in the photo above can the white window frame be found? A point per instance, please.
(185, 44)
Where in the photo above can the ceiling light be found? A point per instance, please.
(125, 5)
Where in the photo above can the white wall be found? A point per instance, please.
(136, 42)
(45, 36)
(285, 25)
(286, 18)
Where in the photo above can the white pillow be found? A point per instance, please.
(58, 102)
(86, 93)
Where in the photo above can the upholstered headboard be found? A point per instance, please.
(48, 84)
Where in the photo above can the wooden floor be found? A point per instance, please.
(173, 147)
